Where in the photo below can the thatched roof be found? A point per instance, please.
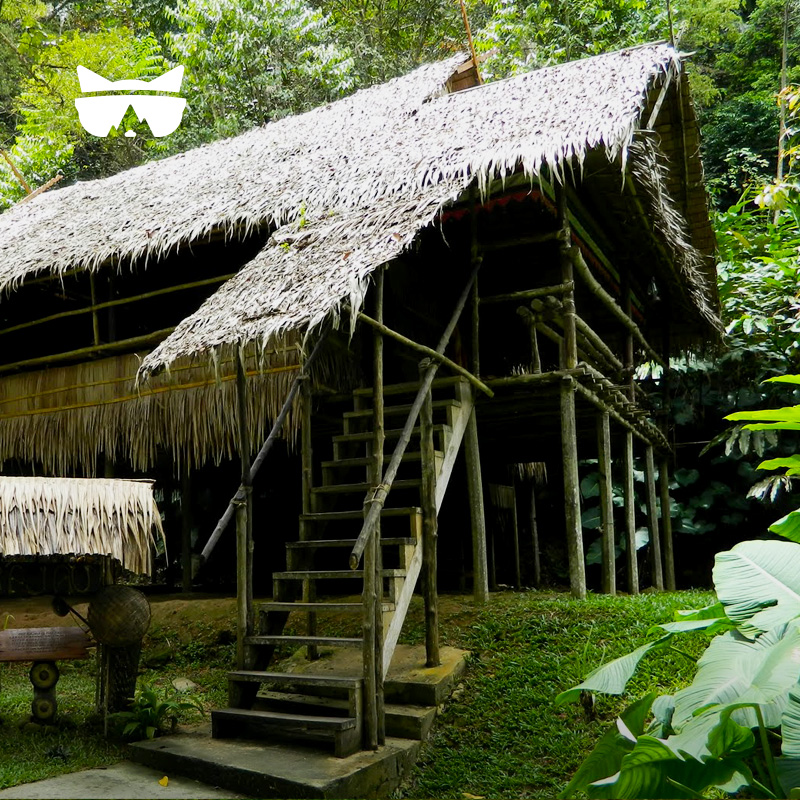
(81, 516)
(349, 186)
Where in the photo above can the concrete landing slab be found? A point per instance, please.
(408, 681)
(125, 781)
(271, 770)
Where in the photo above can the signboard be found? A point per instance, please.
(43, 644)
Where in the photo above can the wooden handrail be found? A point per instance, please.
(262, 453)
(382, 490)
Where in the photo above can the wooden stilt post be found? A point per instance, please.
(609, 572)
(374, 714)
(429, 535)
(480, 578)
(572, 496)
(309, 589)
(515, 538)
(569, 433)
(630, 516)
(537, 562)
(186, 529)
(666, 523)
(244, 586)
(656, 567)
(629, 496)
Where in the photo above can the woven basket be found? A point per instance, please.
(119, 616)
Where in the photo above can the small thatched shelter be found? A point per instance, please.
(537, 239)
(56, 521)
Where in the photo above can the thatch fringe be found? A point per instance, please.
(63, 418)
(59, 516)
(648, 166)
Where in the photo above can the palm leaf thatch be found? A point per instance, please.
(375, 205)
(80, 516)
(347, 187)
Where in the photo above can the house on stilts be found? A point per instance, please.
(428, 267)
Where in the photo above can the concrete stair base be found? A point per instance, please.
(270, 770)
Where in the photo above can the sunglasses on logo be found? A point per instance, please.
(100, 113)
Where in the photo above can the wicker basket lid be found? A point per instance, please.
(119, 615)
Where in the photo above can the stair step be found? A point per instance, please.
(366, 461)
(295, 679)
(315, 543)
(331, 574)
(407, 388)
(361, 488)
(333, 516)
(391, 433)
(288, 723)
(402, 721)
(339, 607)
(398, 410)
(322, 641)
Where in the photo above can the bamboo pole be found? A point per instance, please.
(610, 303)
(244, 587)
(528, 294)
(95, 320)
(264, 452)
(378, 439)
(630, 516)
(428, 351)
(568, 302)
(480, 571)
(609, 577)
(537, 562)
(652, 520)
(124, 344)
(95, 307)
(521, 241)
(371, 666)
(572, 497)
(666, 524)
(515, 538)
(598, 343)
(307, 482)
(378, 498)
(186, 531)
(429, 534)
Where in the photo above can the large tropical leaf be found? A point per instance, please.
(612, 677)
(785, 414)
(653, 769)
(734, 670)
(607, 755)
(788, 526)
(788, 766)
(758, 582)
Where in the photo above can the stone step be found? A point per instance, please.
(234, 722)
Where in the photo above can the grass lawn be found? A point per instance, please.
(499, 736)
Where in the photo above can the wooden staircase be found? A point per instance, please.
(322, 707)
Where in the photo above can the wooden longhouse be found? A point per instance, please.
(427, 267)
